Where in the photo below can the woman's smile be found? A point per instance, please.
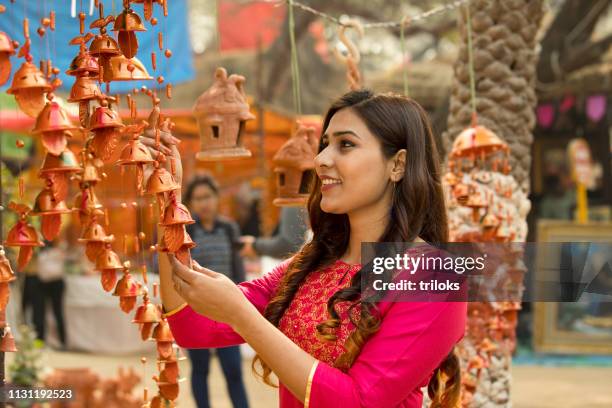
(328, 183)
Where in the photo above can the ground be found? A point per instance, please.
(533, 386)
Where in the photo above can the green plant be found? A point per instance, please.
(26, 367)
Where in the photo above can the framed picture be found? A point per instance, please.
(578, 327)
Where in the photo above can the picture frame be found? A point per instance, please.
(564, 327)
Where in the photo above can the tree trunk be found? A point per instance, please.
(504, 41)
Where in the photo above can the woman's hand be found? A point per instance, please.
(209, 293)
(167, 144)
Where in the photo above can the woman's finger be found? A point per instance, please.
(181, 270)
(199, 268)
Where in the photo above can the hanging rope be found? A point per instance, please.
(471, 66)
(351, 60)
(404, 23)
(295, 69)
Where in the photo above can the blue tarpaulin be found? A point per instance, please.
(54, 45)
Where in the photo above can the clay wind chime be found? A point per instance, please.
(103, 59)
(482, 198)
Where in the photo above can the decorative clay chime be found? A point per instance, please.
(6, 51)
(54, 127)
(127, 23)
(22, 235)
(294, 167)
(221, 113)
(6, 276)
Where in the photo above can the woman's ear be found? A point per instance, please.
(398, 163)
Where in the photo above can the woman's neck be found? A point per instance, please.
(366, 226)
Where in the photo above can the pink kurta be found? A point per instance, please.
(392, 366)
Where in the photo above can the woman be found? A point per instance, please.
(378, 180)
(217, 240)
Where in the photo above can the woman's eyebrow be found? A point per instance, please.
(342, 132)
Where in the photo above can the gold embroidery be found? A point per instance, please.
(176, 310)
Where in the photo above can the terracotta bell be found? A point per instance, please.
(90, 173)
(162, 332)
(22, 235)
(6, 50)
(50, 210)
(86, 201)
(147, 315)
(176, 238)
(6, 272)
(84, 89)
(84, 65)
(475, 141)
(294, 167)
(221, 113)
(121, 68)
(108, 259)
(161, 181)
(127, 23)
(64, 163)
(476, 202)
(54, 126)
(29, 87)
(128, 289)
(94, 237)
(106, 125)
(148, 7)
(7, 343)
(176, 213)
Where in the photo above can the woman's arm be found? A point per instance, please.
(193, 330)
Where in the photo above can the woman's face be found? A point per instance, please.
(204, 202)
(353, 171)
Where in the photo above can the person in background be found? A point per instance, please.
(45, 282)
(286, 240)
(217, 248)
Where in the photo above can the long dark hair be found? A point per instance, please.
(417, 210)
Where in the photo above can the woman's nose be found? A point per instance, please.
(323, 159)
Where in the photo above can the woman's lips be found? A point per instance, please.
(329, 183)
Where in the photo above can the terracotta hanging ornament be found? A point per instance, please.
(294, 167)
(477, 142)
(135, 153)
(105, 124)
(128, 289)
(95, 238)
(6, 51)
(84, 64)
(176, 240)
(160, 402)
(148, 7)
(168, 384)
(56, 171)
(6, 276)
(50, 210)
(121, 68)
(29, 83)
(90, 170)
(127, 24)
(54, 127)
(108, 263)
(161, 181)
(103, 46)
(147, 315)
(221, 113)
(351, 60)
(22, 235)
(164, 339)
(86, 202)
(7, 343)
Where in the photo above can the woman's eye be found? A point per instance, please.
(346, 143)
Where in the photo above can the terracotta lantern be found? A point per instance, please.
(50, 210)
(294, 167)
(22, 235)
(106, 125)
(221, 113)
(6, 50)
(6, 276)
(127, 24)
(54, 127)
(29, 87)
(121, 68)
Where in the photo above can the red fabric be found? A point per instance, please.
(240, 25)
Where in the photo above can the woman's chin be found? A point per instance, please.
(330, 207)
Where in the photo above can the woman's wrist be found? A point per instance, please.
(244, 314)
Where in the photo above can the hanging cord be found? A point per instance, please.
(353, 57)
(295, 69)
(404, 23)
(471, 66)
